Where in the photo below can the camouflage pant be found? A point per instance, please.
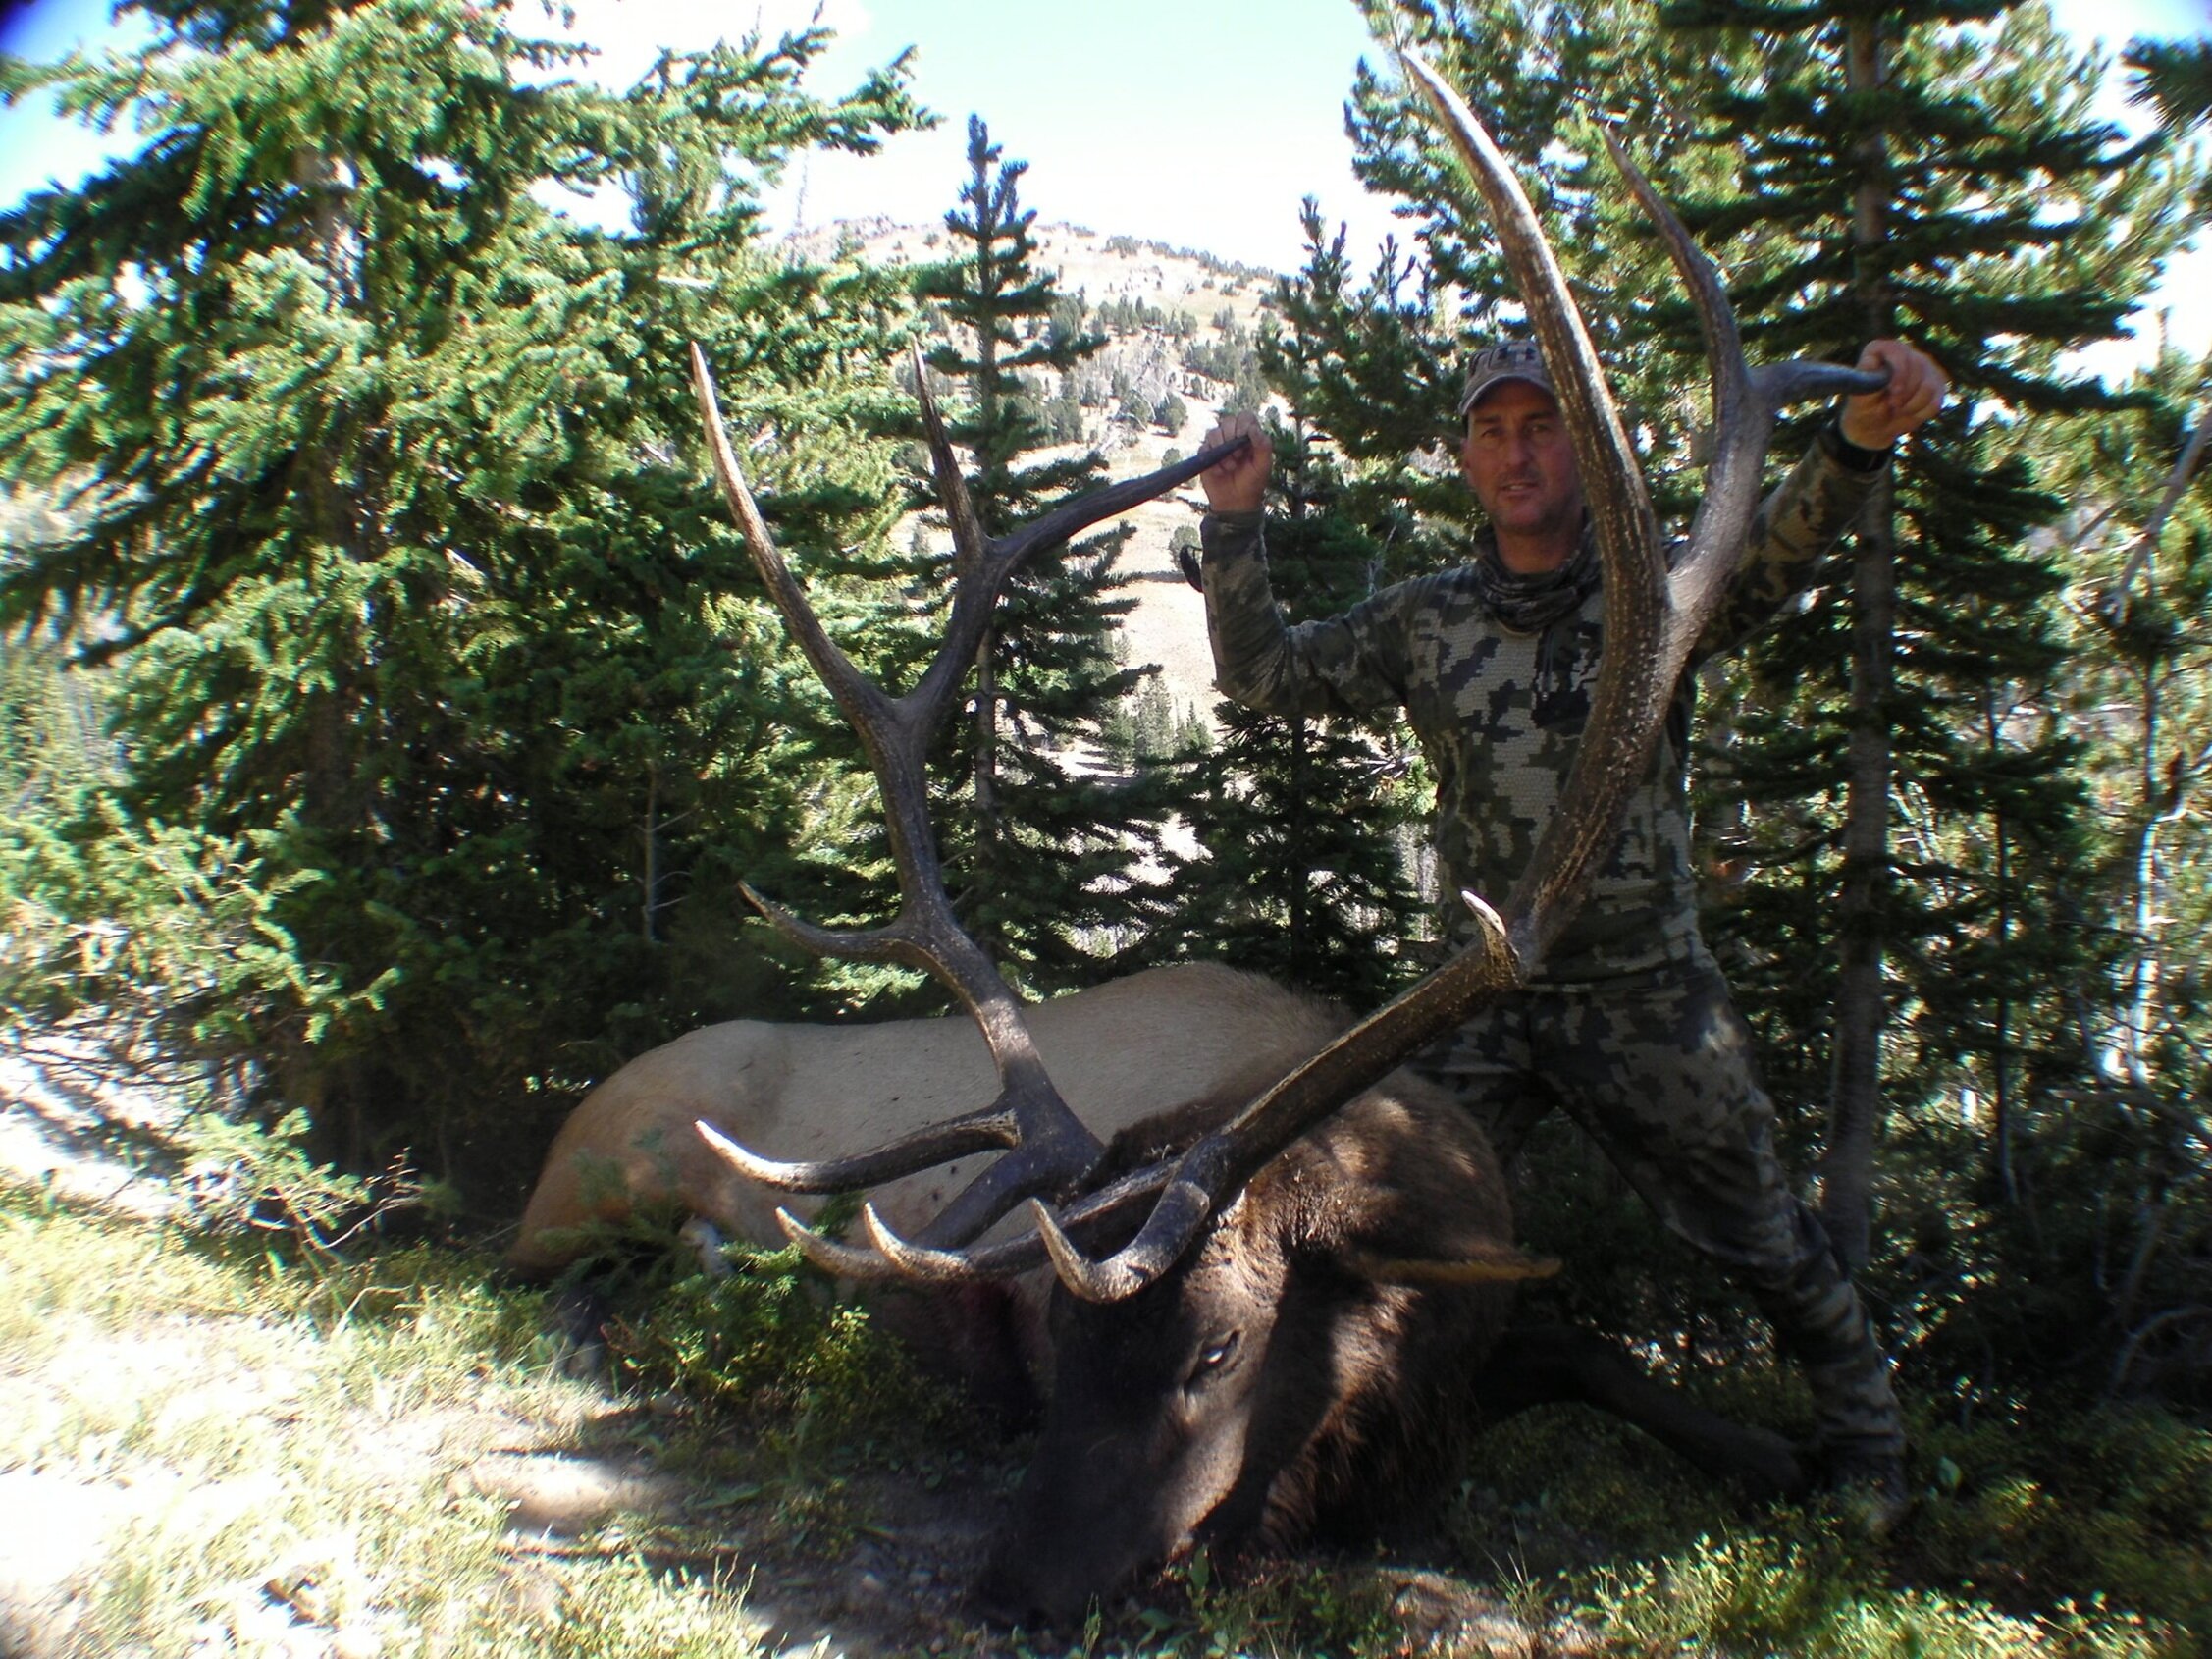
(1657, 1068)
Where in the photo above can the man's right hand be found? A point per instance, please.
(1239, 483)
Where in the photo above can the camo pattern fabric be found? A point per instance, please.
(1500, 713)
(1657, 1069)
(1629, 1025)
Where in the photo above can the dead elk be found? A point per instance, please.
(1196, 1040)
(1315, 1369)
(1231, 1208)
(1306, 1373)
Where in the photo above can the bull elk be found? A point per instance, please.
(1301, 1293)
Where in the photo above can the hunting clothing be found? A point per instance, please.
(1627, 1023)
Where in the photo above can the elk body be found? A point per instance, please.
(1186, 1045)
(1303, 1373)
(1196, 1036)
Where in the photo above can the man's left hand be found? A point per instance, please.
(1875, 420)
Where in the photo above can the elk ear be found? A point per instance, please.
(1481, 1265)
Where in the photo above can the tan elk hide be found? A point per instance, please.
(1121, 1052)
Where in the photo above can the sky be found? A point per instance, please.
(1200, 128)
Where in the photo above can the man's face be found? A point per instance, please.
(1518, 462)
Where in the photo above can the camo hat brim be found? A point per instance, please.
(1494, 365)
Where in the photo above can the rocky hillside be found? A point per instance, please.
(1179, 326)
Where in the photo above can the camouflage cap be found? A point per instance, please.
(1510, 359)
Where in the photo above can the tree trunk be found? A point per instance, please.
(1854, 1102)
(1302, 877)
(340, 485)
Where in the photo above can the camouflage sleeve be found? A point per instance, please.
(1352, 664)
(1793, 531)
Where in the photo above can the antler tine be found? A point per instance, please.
(994, 1129)
(858, 944)
(833, 1255)
(1065, 522)
(1745, 403)
(1717, 318)
(1094, 1213)
(1742, 422)
(966, 529)
(1613, 483)
(857, 698)
(986, 569)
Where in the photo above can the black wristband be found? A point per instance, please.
(1844, 452)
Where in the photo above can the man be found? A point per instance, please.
(1628, 1024)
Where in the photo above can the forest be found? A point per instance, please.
(391, 715)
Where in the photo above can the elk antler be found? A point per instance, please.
(1652, 620)
(1048, 1149)
(1652, 616)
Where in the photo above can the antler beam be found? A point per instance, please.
(1048, 1150)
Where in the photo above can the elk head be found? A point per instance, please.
(1653, 616)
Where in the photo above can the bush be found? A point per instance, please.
(769, 1344)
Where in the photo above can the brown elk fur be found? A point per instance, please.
(1345, 1396)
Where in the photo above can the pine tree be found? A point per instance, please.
(2116, 1174)
(420, 615)
(1308, 824)
(1042, 851)
(2175, 76)
(1931, 171)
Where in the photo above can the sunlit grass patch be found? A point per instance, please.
(1822, 1598)
(232, 1439)
(622, 1609)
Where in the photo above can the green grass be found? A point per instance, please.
(285, 1427)
(278, 1433)
(2051, 1534)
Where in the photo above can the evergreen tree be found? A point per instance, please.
(419, 617)
(2110, 1166)
(1932, 171)
(2175, 76)
(1306, 824)
(1041, 854)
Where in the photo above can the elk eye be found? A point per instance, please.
(1211, 1359)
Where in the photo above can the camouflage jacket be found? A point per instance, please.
(1500, 713)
